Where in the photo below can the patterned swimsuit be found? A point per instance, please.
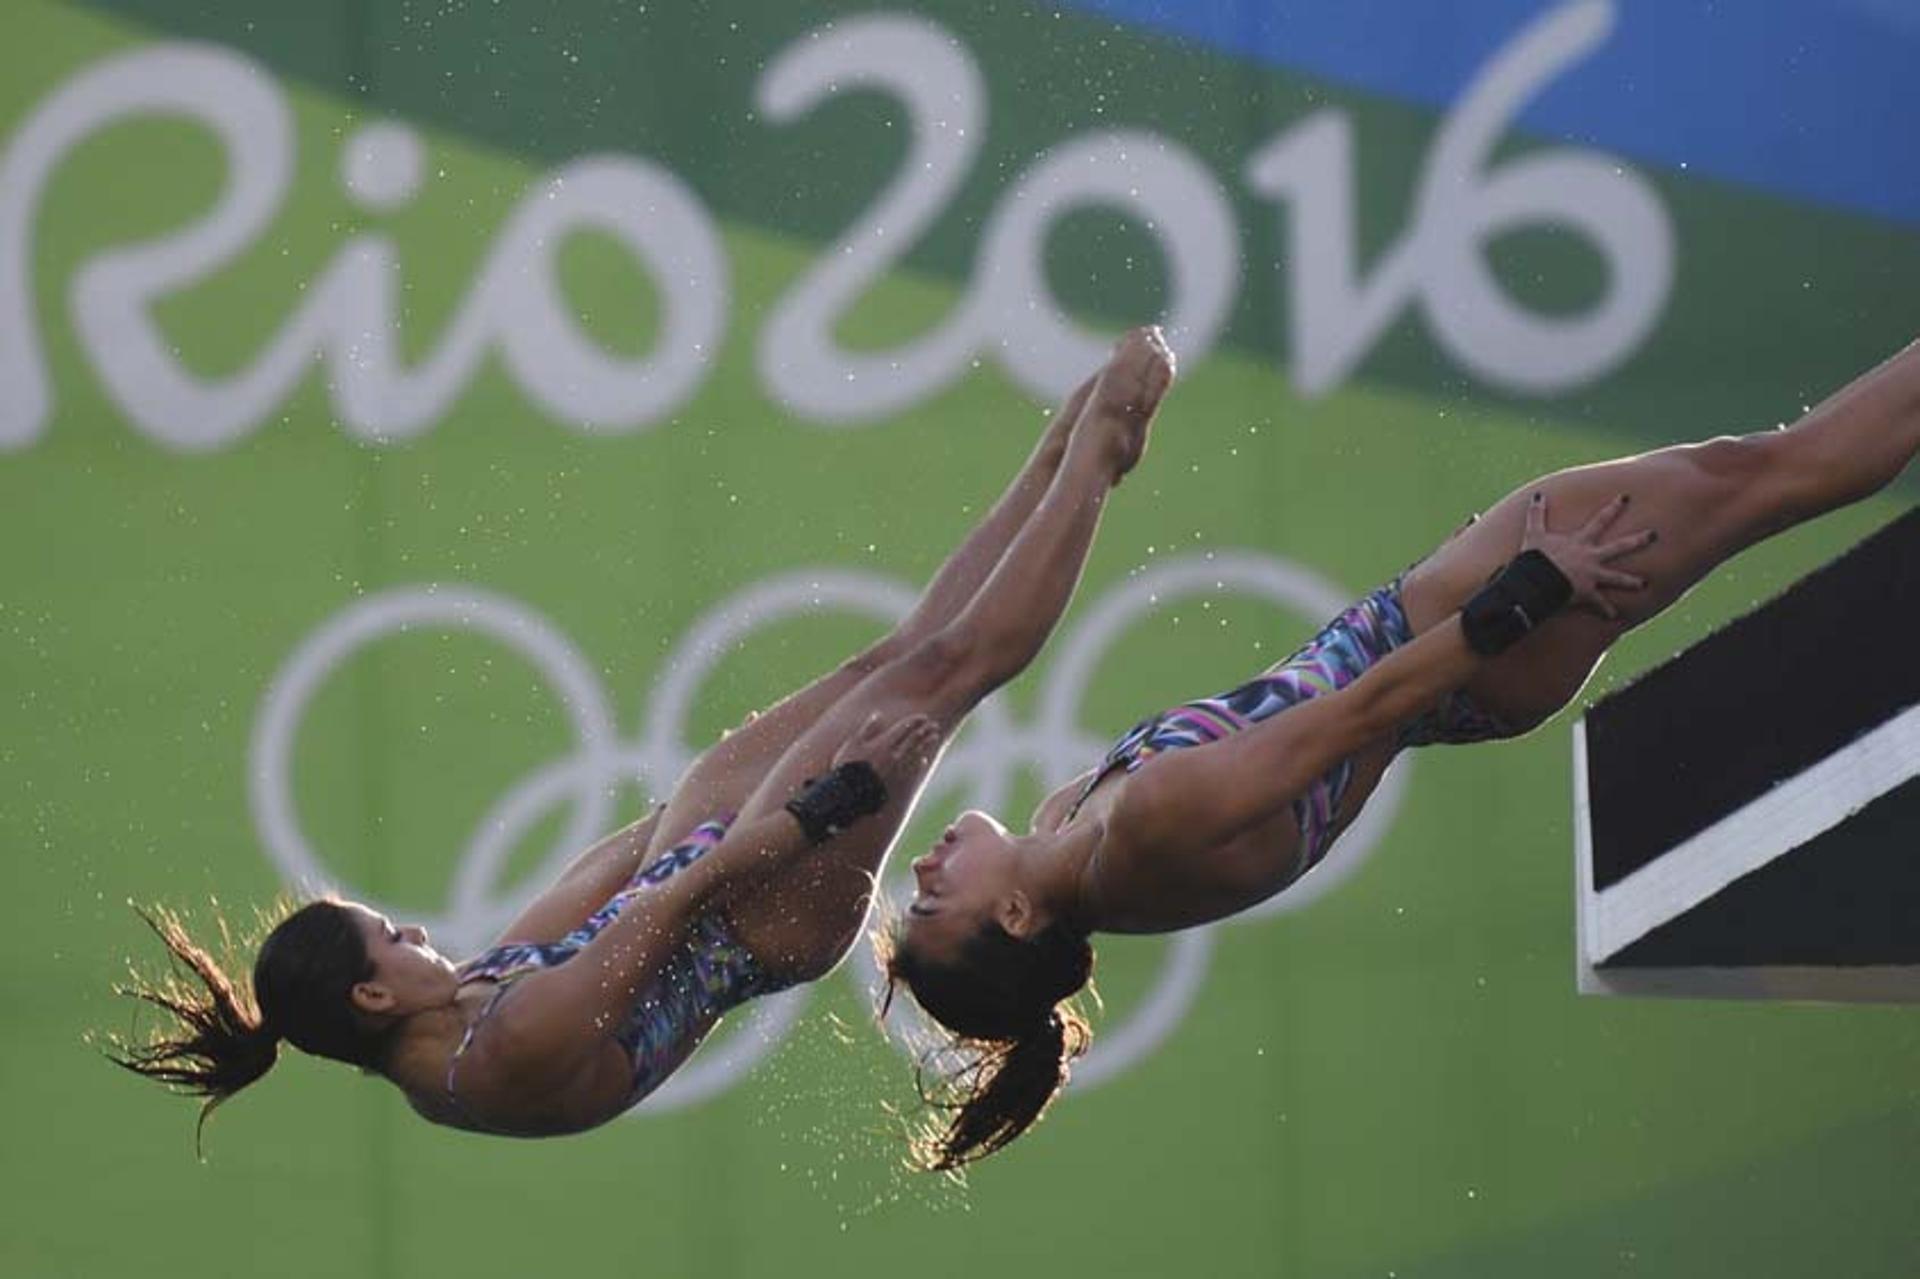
(710, 973)
(1331, 660)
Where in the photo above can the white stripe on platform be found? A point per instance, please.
(1789, 815)
(1582, 852)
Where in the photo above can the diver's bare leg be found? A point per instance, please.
(802, 921)
(1707, 502)
(726, 774)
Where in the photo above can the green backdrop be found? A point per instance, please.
(216, 216)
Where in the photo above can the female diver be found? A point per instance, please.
(607, 982)
(1206, 809)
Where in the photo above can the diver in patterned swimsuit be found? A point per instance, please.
(1331, 660)
(606, 982)
(1218, 804)
(708, 974)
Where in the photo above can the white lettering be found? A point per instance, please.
(346, 317)
(1336, 316)
(1009, 309)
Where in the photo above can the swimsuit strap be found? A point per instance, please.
(1128, 753)
(466, 1040)
(1073, 809)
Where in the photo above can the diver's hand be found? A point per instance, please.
(1584, 558)
(898, 750)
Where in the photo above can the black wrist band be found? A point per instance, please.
(828, 805)
(1522, 595)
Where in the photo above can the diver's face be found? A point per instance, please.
(963, 881)
(408, 973)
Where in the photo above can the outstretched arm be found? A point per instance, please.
(1203, 797)
(584, 886)
(1200, 798)
(562, 1020)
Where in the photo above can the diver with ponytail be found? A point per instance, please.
(1007, 1001)
(227, 1034)
(1212, 807)
(338, 980)
(754, 876)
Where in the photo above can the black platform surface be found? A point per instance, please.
(1749, 819)
(1765, 697)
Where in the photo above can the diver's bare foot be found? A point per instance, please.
(1128, 392)
(1053, 441)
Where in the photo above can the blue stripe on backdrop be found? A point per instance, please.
(1814, 100)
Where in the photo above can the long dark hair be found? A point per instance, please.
(225, 1036)
(1015, 1034)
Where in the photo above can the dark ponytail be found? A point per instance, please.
(221, 1042)
(224, 1036)
(1014, 1035)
